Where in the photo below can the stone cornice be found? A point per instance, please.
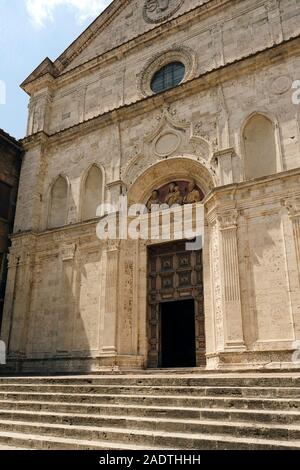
(34, 140)
(59, 232)
(212, 78)
(224, 197)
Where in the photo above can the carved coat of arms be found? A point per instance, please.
(156, 11)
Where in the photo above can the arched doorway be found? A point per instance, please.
(174, 310)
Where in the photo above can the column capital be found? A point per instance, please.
(228, 220)
(113, 246)
(67, 251)
(293, 206)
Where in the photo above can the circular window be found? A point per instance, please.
(168, 77)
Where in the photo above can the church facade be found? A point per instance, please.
(186, 102)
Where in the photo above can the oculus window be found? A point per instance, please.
(168, 77)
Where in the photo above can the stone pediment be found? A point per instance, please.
(120, 22)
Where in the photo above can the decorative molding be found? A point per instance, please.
(176, 54)
(280, 85)
(217, 287)
(167, 117)
(188, 146)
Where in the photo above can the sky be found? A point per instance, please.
(31, 30)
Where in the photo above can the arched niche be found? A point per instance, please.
(260, 147)
(167, 171)
(58, 203)
(91, 193)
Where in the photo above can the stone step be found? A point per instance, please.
(39, 442)
(227, 414)
(146, 439)
(164, 380)
(271, 392)
(269, 430)
(157, 400)
(10, 448)
(108, 409)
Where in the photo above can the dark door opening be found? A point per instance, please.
(178, 334)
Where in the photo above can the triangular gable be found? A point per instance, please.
(55, 68)
(99, 25)
(120, 22)
(126, 23)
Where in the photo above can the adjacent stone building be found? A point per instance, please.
(10, 165)
(191, 97)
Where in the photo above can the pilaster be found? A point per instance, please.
(224, 158)
(274, 17)
(112, 254)
(233, 323)
(293, 207)
(18, 298)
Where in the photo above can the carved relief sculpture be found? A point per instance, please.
(153, 201)
(175, 193)
(156, 11)
(193, 195)
(174, 196)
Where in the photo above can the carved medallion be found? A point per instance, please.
(167, 144)
(281, 85)
(156, 11)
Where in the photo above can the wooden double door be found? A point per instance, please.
(176, 326)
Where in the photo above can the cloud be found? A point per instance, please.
(41, 11)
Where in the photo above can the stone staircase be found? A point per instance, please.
(151, 412)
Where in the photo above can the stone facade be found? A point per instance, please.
(96, 130)
(10, 165)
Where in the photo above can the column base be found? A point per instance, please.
(112, 364)
(252, 360)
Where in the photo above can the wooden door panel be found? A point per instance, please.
(174, 274)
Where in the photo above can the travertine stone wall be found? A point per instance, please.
(71, 296)
(222, 36)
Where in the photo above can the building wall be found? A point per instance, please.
(218, 36)
(88, 299)
(10, 162)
